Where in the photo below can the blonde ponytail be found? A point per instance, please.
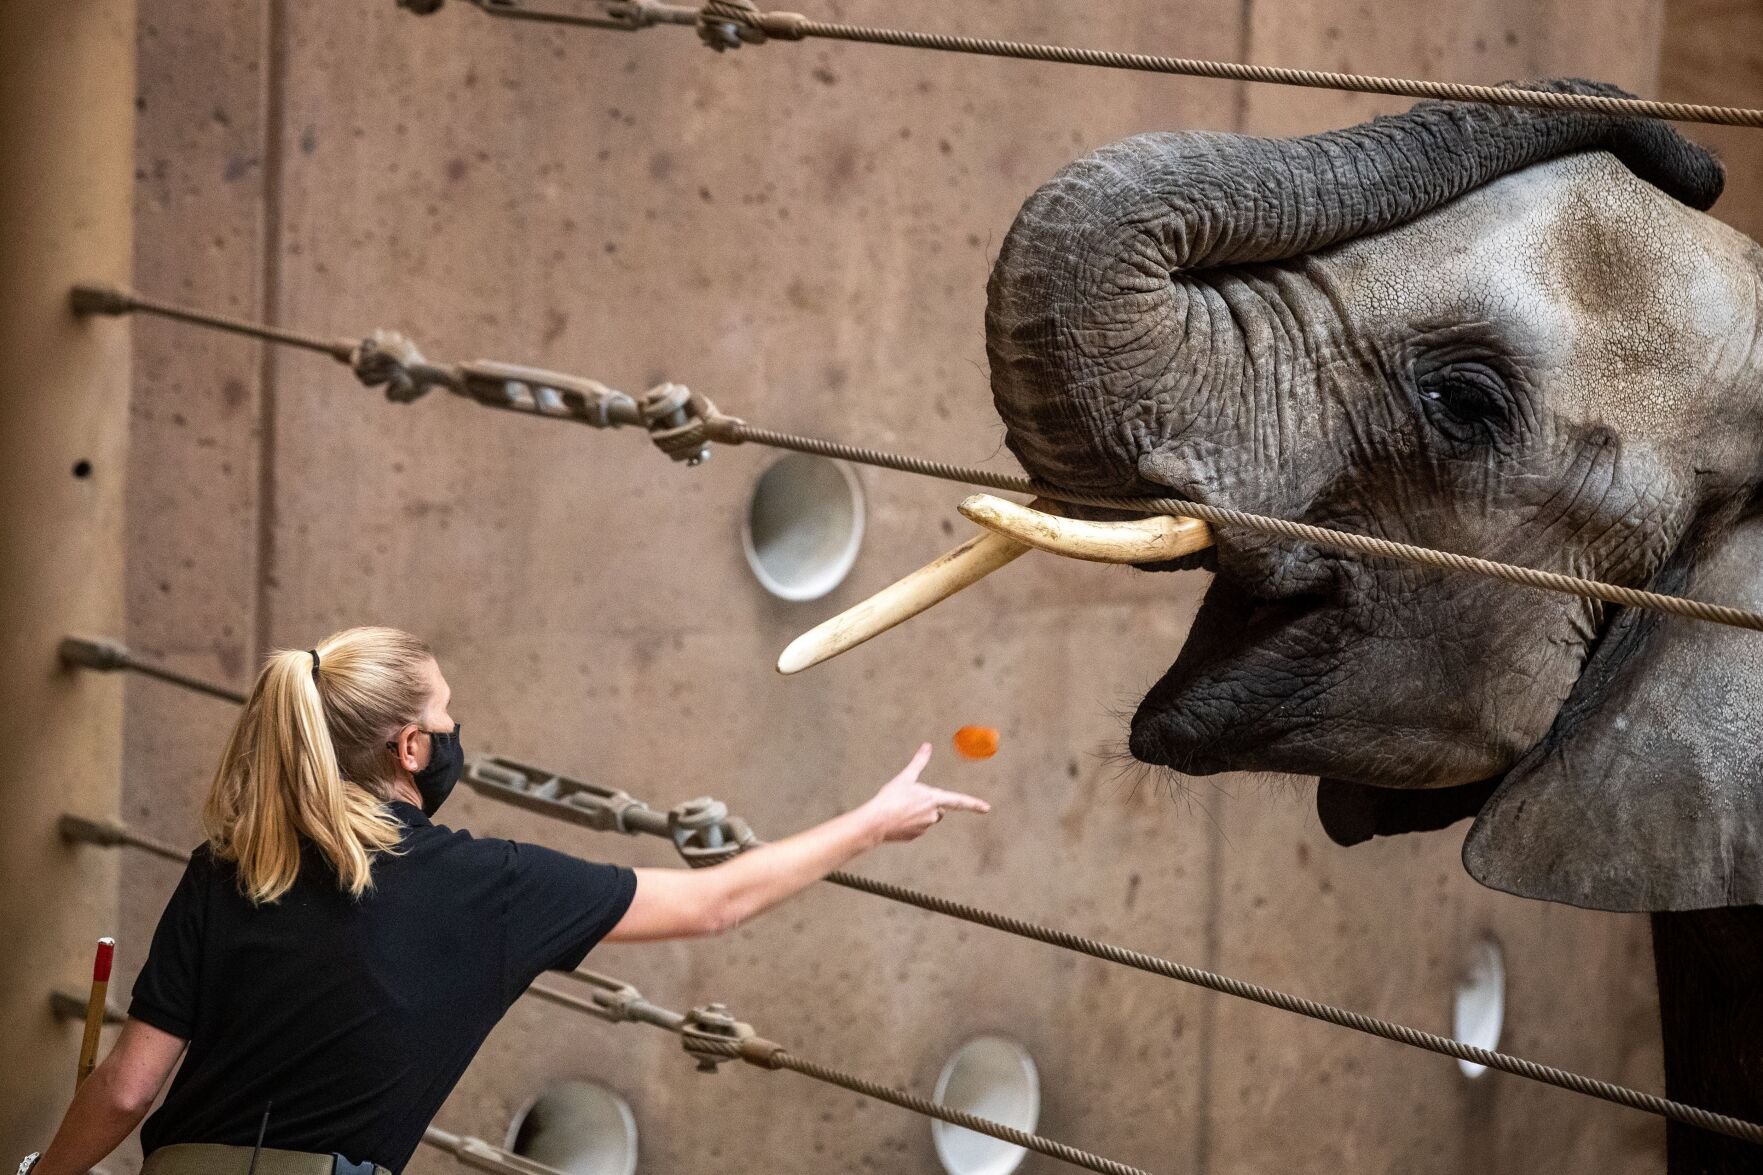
(307, 759)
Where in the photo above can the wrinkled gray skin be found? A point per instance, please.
(1500, 332)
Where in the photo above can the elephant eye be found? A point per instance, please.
(1466, 401)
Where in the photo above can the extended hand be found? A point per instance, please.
(907, 808)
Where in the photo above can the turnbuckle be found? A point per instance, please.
(604, 809)
(547, 393)
(627, 16)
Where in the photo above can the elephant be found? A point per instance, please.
(1507, 332)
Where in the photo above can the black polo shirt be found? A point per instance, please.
(357, 1017)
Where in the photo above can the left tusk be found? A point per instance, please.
(901, 600)
(1140, 540)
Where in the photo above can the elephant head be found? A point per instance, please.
(1503, 332)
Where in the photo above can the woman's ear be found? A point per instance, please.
(1647, 793)
(404, 748)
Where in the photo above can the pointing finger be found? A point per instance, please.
(956, 801)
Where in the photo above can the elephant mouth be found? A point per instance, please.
(1232, 699)
(1240, 696)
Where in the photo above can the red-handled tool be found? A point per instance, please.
(95, 1008)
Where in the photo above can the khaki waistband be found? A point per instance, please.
(200, 1158)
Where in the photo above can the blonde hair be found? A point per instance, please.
(307, 759)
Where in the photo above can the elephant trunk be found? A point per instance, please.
(1098, 345)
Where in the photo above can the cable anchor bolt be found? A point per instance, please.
(91, 652)
(89, 298)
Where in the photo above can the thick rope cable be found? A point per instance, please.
(728, 24)
(109, 656)
(1282, 76)
(1551, 581)
(906, 1100)
(114, 834)
(630, 819)
(106, 300)
(376, 366)
(1298, 1005)
(705, 835)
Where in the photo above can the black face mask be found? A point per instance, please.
(446, 764)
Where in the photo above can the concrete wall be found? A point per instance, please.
(802, 232)
(1713, 52)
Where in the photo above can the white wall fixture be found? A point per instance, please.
(803, 526)
(579, 1128)
(1479, 1010)
(994, 1078)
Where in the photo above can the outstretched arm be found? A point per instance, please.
(680, 903)
(113, 1100)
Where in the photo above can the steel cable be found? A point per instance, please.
(783, 1059)
(724, 837)
(1551, 581)
(94, 299)
(1313, 1009)
(728, 24)
(1282, 76)
(731, 430)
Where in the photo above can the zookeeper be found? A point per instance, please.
(332, 955)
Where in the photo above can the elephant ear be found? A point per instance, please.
(1647, 794)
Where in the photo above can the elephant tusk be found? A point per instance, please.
(1140, 540)
(901, 600)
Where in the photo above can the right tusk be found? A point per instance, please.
(901, 600)
(1139, 540)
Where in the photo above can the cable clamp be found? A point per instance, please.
(729, 24)
(389, 359)
(705, 834)
(603, 809)
(713, 1037)
(682, 423)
